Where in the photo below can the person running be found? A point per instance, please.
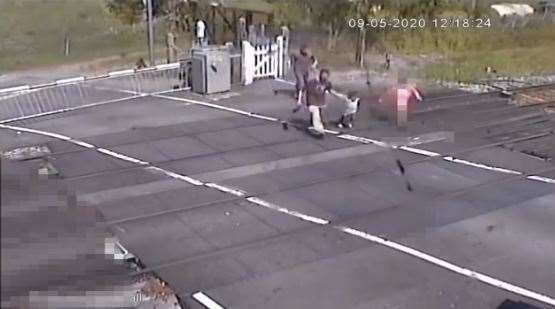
(316, 90)
(302, 63)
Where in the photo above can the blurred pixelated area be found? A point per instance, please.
(56, 254)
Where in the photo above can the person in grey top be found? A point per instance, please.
(303, 63)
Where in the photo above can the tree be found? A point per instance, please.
(363, 9)
(290, 13)
(424, 8)
(176, 13)
(128, 11)
(333, 14)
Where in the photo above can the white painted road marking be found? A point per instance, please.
(216, 106)
(420, 151)
(225, 189)
(206, 301)
(379, 240)
(482, 166)
(120, 156)
(261, 202)
(541, 178)
(21, 129)
(364, 140)
(447, 265)
(176, 176)
(83, 144)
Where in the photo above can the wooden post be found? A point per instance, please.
(66, 44)
(252, 34)
(330, 36)
(280, 59)
(194, 8)
(262, 31)
(214, 41)
(362, 46)
(249, 18)
(171, 48)
(150, 32)
(285, 49)
(242, 31)
(236, 28)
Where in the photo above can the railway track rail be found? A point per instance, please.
(506, 91)
(542, 94)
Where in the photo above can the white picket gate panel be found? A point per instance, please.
(260, 61)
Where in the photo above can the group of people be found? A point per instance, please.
(313, 84)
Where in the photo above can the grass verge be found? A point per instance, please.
(32, 34)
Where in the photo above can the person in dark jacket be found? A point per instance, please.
(316, 90)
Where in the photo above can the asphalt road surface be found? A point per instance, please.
(274, 218)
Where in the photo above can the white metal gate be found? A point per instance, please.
(265, 60)
(23, 102)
